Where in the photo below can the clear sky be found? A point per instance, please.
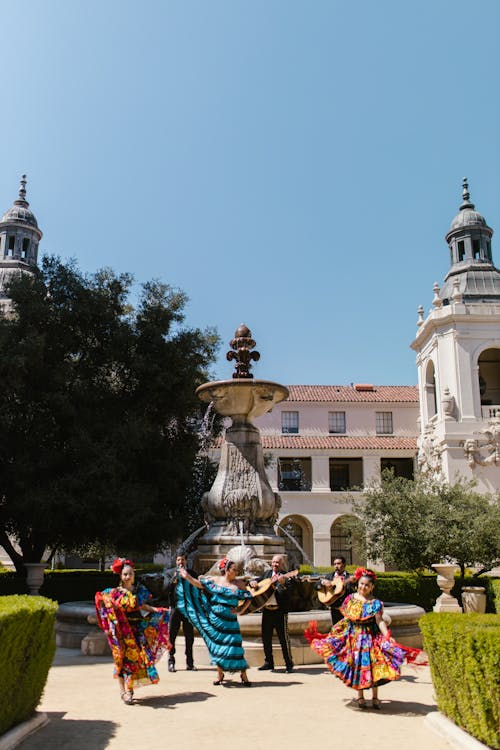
(291, 165)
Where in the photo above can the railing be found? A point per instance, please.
(489, 412)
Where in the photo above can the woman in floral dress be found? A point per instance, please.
(137, 632)
(359, 649)
(210, 604)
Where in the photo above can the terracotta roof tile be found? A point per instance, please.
(346, 393)
(337, 442)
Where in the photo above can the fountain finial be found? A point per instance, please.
(242, 345)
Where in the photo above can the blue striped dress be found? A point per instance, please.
(209, 610)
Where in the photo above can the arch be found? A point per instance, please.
(430, 390)
(300, 529)
(347, 539)
(488, 374)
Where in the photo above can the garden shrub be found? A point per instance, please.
(464, 655)
(27, 647)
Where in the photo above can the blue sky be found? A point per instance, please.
(291, 165)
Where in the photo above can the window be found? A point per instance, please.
(383, 422)
(336, 422)
(11, 245)
(476, 249)
(402, 467)
(294, 474)
(289, 422)
(26, 247)
(345, 474)
(461, 250)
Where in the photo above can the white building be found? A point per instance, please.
(458, 360)
(324, 444)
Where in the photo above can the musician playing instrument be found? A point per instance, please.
(275, 614)
(331, 579)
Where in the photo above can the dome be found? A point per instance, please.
(20, 211)
(467, 217)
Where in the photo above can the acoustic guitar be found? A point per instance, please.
(328, 596)
(262, 593)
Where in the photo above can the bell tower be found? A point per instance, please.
(19, 240)
(458, 359)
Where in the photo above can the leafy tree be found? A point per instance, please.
(411, 524)
(98, 413)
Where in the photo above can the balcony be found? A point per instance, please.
(490, 412)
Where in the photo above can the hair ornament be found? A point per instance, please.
(361, 572)
(120, 562)
(222, 564)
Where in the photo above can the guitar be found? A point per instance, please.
(328, 595)
(263, 592)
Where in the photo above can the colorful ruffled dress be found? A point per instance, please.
(210, 611)
(355, 649)
(137, 639)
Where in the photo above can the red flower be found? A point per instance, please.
(222, 564)
(120, 562)
(360, 572)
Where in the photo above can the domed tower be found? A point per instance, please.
(458, 359)
(19, 240)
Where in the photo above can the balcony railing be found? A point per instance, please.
(489, 412)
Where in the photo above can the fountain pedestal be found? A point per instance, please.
(241, 508)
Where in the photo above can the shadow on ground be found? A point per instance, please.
(71, 734)
(172, 700)
(393, 708)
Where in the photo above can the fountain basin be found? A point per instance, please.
(242, 399)
(72, 626)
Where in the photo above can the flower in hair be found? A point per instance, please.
(120, 562)
(222, 563)
(360, 572)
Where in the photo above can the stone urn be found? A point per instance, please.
(34, 577)
(474, 599)
(446, 581)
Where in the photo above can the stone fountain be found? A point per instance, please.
(241, 506)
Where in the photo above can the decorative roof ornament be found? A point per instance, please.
(466, 195)
(22, 191)
(242, 344)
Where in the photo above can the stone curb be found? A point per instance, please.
(458, 738)
(15, 736)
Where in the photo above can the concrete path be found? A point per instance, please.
(307, 709)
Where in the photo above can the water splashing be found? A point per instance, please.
(305, 556)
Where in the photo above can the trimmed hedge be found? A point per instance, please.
(409, 588)
(464, 655)
(27, 647)
(422, 589)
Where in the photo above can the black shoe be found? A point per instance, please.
(266, 665)
(191, 668)
(171, 666)
(290, 669)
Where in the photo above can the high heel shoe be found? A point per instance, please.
(246, 683)
(376, 704)
(127, 697)
(220, 680)
(361, 703)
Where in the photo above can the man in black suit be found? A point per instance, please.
(170, 578)
(329, 581)
(275, 615)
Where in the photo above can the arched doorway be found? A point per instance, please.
(430, 390)
(297, 534)
(347, 540)
(489, 380)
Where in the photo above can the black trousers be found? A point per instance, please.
(336, 615)
(176, 620)
(274, 620)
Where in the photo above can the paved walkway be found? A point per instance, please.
(307, 709)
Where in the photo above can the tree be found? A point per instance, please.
(98, 413)
(411, 524)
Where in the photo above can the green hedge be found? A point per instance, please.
(422, 589)
(464, 654)
(27, 648)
